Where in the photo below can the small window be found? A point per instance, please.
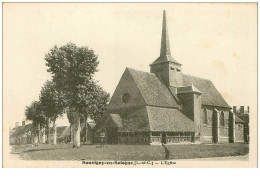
(126, 97)
(155, 134)
(205, 116)
(222, 120)
(178, 70)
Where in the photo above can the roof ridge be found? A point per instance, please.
(196, 77)
(136, 70)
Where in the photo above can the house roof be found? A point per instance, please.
(154, 92)
(158, 119)
(92, 124)
(21, 130)
(59, 129)
(210, 95)
(65, 132)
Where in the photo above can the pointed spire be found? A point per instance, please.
(165, 44)
(165, 54)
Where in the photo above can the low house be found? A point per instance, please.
(21, 134)
(89, 133)
(59, 132)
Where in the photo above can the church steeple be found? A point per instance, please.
(165, 45)
(165, 66)
(165, 54)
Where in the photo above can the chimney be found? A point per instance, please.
(23, 123)
(235, 109)
(242, 109)
(16, 124)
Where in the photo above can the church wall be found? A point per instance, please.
(155, 138)
(206, 125)
(134, 138)
(175, 75)
(223, 127)
(161, 70)
(187, 105)
(126, 86)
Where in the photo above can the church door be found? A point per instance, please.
(112, 135)
(164, 138)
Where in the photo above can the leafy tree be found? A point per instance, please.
(72, 69)
(53, 105)
(35, 113)
(97, 100)
(99, 104)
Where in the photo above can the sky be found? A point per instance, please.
(214, 41)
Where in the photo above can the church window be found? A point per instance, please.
(222, 120)
(126, 97)
(205, 116)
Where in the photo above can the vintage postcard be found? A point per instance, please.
(130, 85)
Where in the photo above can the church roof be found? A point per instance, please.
(156, 93)
(188, 89)
(152, 89)
(114, 120)
(158, 119)
(210, 95)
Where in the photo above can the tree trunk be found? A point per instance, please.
(86, 131)
(38, 133)
(71, 134)
(54, 133)
(43, 135)
(32, 138)
(48, 131)
(76, 130)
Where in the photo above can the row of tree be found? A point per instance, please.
(72, 90)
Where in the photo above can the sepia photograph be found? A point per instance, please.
(129, 85)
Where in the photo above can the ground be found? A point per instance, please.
(64, 151)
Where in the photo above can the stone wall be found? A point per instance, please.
(207, 122)
(239, 132)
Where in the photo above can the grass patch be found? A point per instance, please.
(128, 152)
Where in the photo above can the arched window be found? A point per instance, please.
(205, 116)
(222, 120)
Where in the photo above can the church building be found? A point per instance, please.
(166, 106)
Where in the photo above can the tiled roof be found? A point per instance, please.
(21, 130)
(158, 119)
(116, 120)
(210, 95)
(152, 89)
(188, 89)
